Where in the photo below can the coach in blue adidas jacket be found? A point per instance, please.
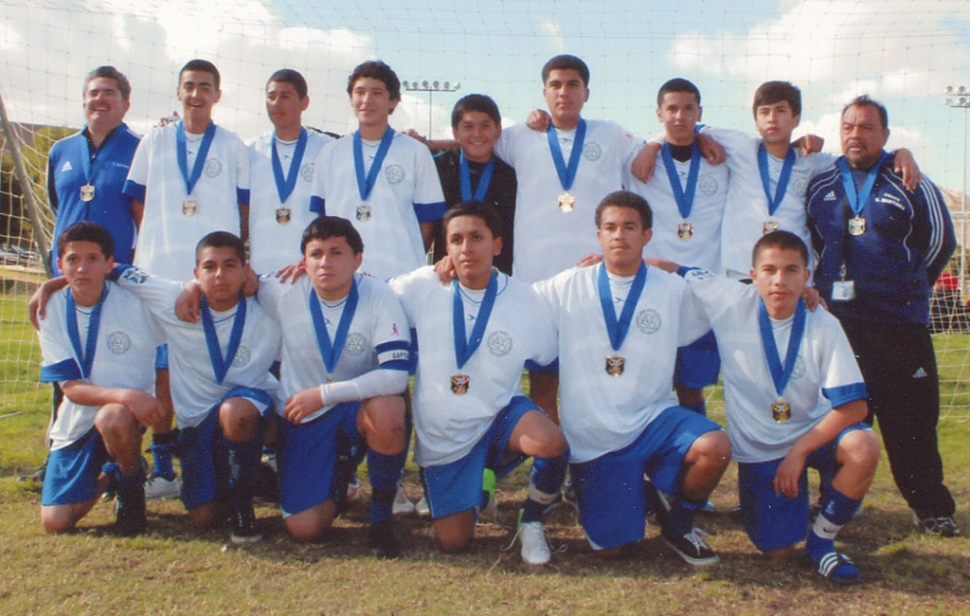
(881, 248)
(86, 171)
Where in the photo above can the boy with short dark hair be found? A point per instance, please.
(221, 385)
(282, 172)
(469, 412)
(384, 181)
(473, 172)
(99, 343)
(795, 398)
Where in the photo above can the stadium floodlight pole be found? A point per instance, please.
(959, 97)
(431, 87)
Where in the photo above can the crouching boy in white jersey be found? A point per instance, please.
(221, 385)
(343, 368)
(99, 343)
(469, 411)
(619, 414)
(795, 399)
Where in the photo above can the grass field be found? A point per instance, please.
(179, 570)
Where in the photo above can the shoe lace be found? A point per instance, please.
(696, 537)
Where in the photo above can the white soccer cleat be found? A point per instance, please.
(157, 487)
(402, 504)
(535, 549)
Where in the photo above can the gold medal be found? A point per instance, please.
(87, 192)
(768, 227)
(685, 230)
(857, 226)
(190, 207)
(780, 411)
(566, 203)
(363, 212)
(459, 384)
(283, 215)
(614, 365)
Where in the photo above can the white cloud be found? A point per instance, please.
(48, 50)
(551, 31)
(898, 42)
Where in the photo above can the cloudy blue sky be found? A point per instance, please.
(900, 51)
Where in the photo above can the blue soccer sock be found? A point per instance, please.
(837, 510)
(545, 481)
(127, 484)
(679, 519)
(698, 407)
(384, 472)
(243, 465)
(163, 451)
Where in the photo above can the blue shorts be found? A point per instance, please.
(698, 363)
(609, 489)
(204, 455)
(457, 486)
(72, 471)
(776, 521)
(307, 456)
(161, 357)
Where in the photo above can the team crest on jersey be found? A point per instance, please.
(119, 343)
(135, 275)
(799, 370)
(394, 174)
(648, 321)
(799, 186)
(707, 186)
(212, 167)
(499, 343)
(306, 172)
(592, 151)
(243, 355)
(356, 344)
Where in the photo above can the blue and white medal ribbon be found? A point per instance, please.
(182, 156)
(567, 173)
(286, 184)
(684, 195)
(618, 328)
(220, 364)
(857, 199)
(774, 200)
(365, 182)
(330, 351)
(781, 374)
(85, 356)
(465, 180)
(465, 345)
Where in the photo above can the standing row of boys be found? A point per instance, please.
(624, 332)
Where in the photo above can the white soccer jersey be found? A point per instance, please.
(124, 357)
(601, 413)
(547, 240)
(449, 424)
(193, 382)
(378, 337)
(703, 247)
(172, 224)
(825, 373)
(746, 211)
(407, 192)
(275, 229)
